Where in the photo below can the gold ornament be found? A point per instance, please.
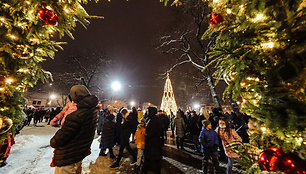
(23, 52)
(5, 124)
(229, 77)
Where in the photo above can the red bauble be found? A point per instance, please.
(270, 159)
(274, 159)
(215, 19)
(48, 16)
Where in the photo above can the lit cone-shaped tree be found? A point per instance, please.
(26, 29)
(168, 103)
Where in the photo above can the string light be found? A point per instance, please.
(263, 129)
(258, 17)
(2, 19)
(1, 89)
(28, 2)
(23, 70)
(268, 45)
(228, 11)
(12, 36)
(9, 80)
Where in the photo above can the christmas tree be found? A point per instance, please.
(260, 52)
(168, 103)
(26, 31)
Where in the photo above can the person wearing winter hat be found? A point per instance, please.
(140, 141)
(73, 140)
(209, 146)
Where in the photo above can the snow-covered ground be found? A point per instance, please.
(32, 153)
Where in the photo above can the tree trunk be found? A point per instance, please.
(213, 92)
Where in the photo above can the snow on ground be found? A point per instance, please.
(32, 153)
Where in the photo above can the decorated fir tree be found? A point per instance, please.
(26, 30)
(260, 52)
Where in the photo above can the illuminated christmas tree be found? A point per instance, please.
(168, 102)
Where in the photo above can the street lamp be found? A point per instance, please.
(116, 86)
(52, 96)
(196, 106)
(132, 103)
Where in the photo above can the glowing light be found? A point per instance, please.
(1, 89)
(132, 103)
(116, 86)
(2, 19)
(12, 36)
(9, 80)
(51, 31)
(52, 96)
(264, 130)
(268, 45)
(28, 2)
(229, 11)
(258, 17)
(243, 100)
(196, 106)
(23, 70)
(242, 84)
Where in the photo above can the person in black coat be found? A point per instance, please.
(153, 148)
(108, 134)
(195, 130)
(73, 140)
(126, 129)
(134, 117)
(119, 118)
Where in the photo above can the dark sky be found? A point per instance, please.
(127, 35)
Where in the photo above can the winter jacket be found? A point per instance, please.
(180, 126)
(101, 118)
(209, 141)
(73, 140)
(165, 121)
(194, 126)
(153, 149)
(126, 129)
(140, 137)
(228, 139)
(140, 115)
(108, 132)
(69, 108)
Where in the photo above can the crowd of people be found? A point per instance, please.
(210, 133)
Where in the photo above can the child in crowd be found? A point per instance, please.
(228, 135)
(209, 146)
(140, 142)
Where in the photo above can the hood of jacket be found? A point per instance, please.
(82, 97)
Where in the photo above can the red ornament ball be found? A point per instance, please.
(270, 159)
(274, 159)
(215, 19)
(48, 16)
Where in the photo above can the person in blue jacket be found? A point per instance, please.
(209, 146)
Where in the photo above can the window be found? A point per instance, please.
(34, 102)
(39, 103)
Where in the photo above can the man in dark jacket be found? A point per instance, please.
(126, 129)
(195, 130)
(153, 148)
(108, 133)
(209, 141)
(73, 140)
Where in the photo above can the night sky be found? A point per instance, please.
(127, 36)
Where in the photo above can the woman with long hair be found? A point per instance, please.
(228, 135)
